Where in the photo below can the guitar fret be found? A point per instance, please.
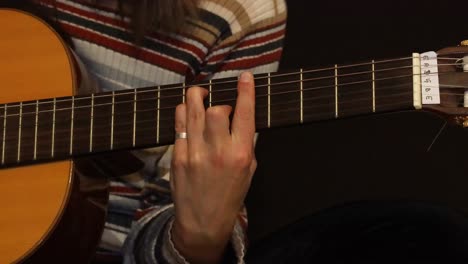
(302, 95)
(18, 157)
(210, 89)
(112, 121)
(134, 116)
(373, 86)
(336, 90)
(417, 84)
(72, 123)
(36, 124)
(183, 93)
(52, 151)
(4, 132)
(91, 124)
(269, 100)
(158, 114)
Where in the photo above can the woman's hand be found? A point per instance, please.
(211, 171)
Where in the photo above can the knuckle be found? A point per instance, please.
(195, 161)
(243, 159)
(254, 164)
(218, 159)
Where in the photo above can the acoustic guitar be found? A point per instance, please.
(51, 208)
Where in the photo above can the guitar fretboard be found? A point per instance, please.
(60, 128)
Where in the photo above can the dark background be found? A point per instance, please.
(308, 168)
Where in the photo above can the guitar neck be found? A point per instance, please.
(60, 128)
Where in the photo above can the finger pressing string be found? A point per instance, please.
(243, 122)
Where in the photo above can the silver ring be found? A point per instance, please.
(181, 135)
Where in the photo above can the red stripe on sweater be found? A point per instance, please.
(250, 42)
(265, 38)
(181, 45)
(91, 5)
(111, 10)
(243, 64)
(81, 2)
(234, 42)
(248, 63)
(126, 49)
(123, 25)
(201, 77)
(91, 15)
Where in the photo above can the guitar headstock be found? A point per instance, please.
(453, 84)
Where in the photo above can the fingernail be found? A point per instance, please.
(246, 77)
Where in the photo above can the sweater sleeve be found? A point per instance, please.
(151, 241)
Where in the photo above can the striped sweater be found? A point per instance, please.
(229, 36)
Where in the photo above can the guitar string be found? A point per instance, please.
(217, 91)
(97, 117)
(292, 91)
(120, 132)
(171, 119)
(272, 75)
(311, 89)
(258, 106)
(295, 109)
(172, 107)
(143, 90)
(162, 89)
(167, 89)
(143, 139)
(231, 89)
(132, 92)
(148, 140)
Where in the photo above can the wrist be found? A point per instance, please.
(200, 245)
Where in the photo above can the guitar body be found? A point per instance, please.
(49, 212)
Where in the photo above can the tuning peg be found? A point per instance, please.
(464, 43)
